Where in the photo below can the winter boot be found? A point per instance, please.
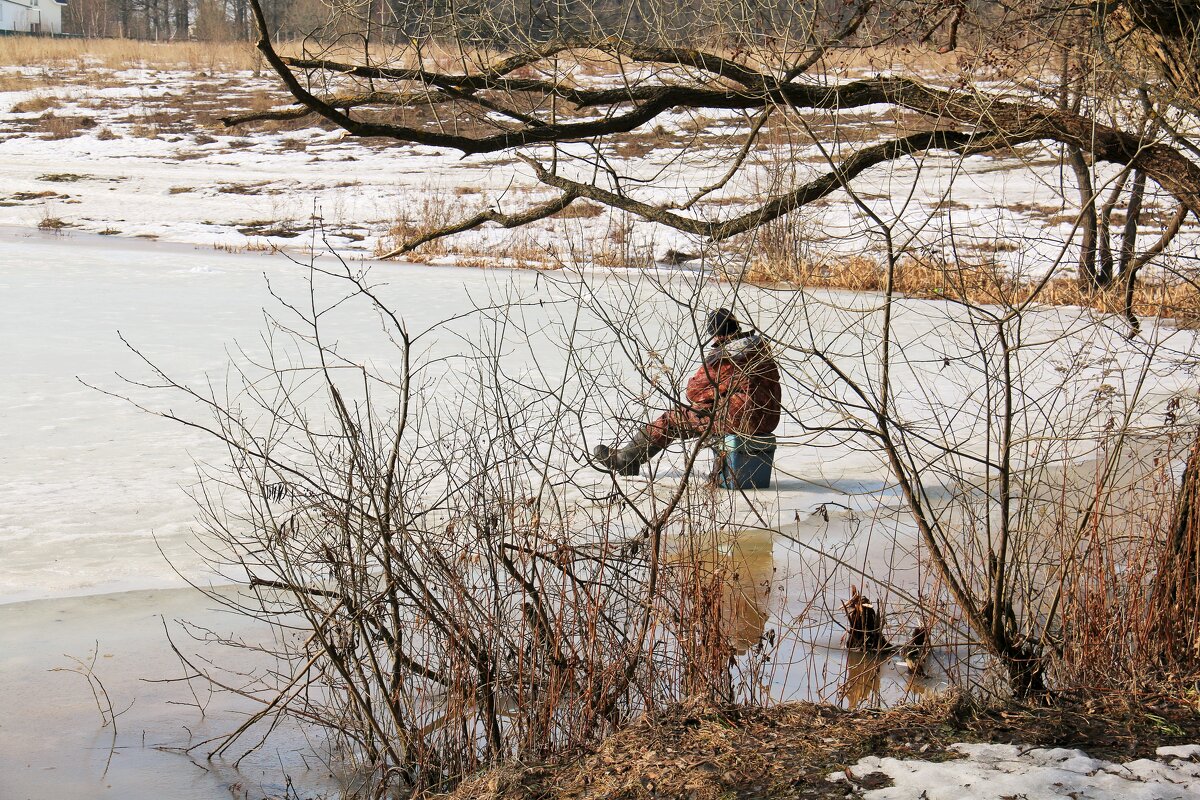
(627, 460)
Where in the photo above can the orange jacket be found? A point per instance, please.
(738, 384)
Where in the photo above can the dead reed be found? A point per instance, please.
(1131, 591)
(433, 208)
(982, 283)
(80, 55)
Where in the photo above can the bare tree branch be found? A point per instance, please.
(533, 214)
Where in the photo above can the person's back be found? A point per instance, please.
(735, 390)
(738, 384)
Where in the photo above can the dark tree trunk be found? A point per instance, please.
(1090, 278)
(181, 19)
(1132, 218)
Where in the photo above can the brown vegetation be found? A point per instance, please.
(35, 105)
(984, 282)
(49, 223)
(71, 55)
(55, 126)
(580, 210)
(790, 750)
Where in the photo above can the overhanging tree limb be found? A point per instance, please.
(533, 214)
(966, 114)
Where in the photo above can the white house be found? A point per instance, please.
(31, 16)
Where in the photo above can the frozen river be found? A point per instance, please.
(90, 486)
(96, 519)
(96, 513)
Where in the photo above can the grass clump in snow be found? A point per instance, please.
(37, 104)
(49, 223)
(55, 126)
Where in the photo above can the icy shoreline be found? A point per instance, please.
(52, 740)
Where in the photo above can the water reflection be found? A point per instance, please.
(738, 568)
(864, 670)
(864, 673)
(749, 563)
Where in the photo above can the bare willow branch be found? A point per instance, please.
(1010, 122)
(533, 214)
(777, 207)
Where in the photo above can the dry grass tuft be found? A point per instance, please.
(983, 283)
(36, 105)
(261, 187)
(49, 223)
(63, 177)
(26, 196)
(580, 209)
(64, 127)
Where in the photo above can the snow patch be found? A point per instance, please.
(1001, 771)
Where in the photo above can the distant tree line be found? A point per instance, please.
(513, 23)
(176, 20)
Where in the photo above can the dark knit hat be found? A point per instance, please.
(722, 323)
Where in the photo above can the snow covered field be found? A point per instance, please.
(141, 153)
(96, 521)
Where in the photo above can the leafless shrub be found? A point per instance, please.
(462, 610)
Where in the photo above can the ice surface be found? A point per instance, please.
(52, 742)
(94, 492)
(91, 487)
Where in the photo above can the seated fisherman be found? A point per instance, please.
(735, 390)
